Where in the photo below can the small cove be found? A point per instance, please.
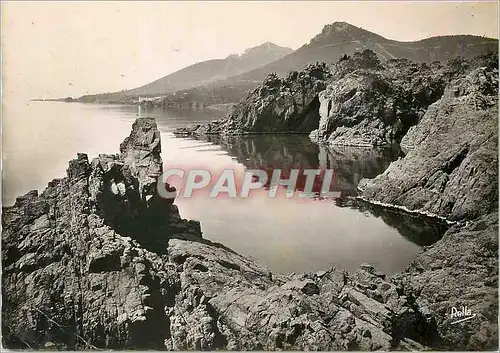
(284, 234)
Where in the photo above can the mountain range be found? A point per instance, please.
(204, 72)
(228, 80)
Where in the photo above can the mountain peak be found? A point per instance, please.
(342, 31)
(267, 47)
(339, 26)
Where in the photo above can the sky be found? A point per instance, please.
(59, 49)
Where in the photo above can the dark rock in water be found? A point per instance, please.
(99, 261)
(451, 165)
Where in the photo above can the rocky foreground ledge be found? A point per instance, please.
(98, 260)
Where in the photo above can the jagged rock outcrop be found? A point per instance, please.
(278, 105)
(228, 302)
(373, 104)
(122, 188)
(72, 279)
(451, 164)
(358, 101)
(72, 274)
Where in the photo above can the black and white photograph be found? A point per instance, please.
(249, 175)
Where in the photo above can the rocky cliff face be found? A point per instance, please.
(450, 169)
(278, 105)
(370, 104)
(451, 163)
(358, 101)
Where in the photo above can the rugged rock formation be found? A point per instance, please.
(75, 277)
(69, 277)
(451, 170)
(451, 164)
(371, 104)
(276, 106)
(365, 102)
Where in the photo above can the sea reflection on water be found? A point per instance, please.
(270, 152)
(294, 235)
(287, 235)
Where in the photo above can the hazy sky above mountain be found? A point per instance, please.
(55, 49)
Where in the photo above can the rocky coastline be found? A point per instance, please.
(99, 261)
(358, 101)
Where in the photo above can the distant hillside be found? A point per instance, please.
(342, 38)
(201, 73)
(334, 41)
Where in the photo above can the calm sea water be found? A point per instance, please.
(287, 235)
